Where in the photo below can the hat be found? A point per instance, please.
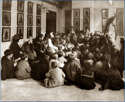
(8, 52)
(54, 64)
(16, 37)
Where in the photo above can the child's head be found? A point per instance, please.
(8, 53)
(75, 54)
(71, 57)
(88, 64)
(24, 57)
(60, 53)
(54, 64)
(54, 56)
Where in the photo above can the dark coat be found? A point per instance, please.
(8, 69)
(16, 50)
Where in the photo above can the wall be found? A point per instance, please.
(59, 26)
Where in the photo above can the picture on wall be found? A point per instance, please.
(30, 20)
(86, 21)
(86, 12)
(29, 32)
(20, 19)
(7, 5)
(119, 12)
(119, 23)
(38, 31)
(38, 9)
(30, 8)
(104, 22)
(68, 22)
(68, 14)
(76, 22)
(76, 13)
(104, 13)
(6, 19)
(38, 20)
(6, 31)
(20, 31)
(20, 6)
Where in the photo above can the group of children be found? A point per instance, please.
(60, 59)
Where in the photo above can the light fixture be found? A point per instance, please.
(110, 2)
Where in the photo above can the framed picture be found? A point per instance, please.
(119, 12)
(29, 20)
(6, 31)
(86, 21)
(38, 31)
(38, 9)
(20, 6)
(68, 14)
(29, 32)
(76, 22)
(30, 8)
(38, 20)
(104, 22)
(104, 13)
(7, 5)
(86, 12)
(20, 31)
(68, 22)
(76, 29)
(6, 19)
(20, 19)
(76, 13)
(120, 28)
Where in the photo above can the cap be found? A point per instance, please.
(8, 52)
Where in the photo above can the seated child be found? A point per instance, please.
(23, 68)
(61, 58)
(8, 65)
(55, 76)
(85, 78)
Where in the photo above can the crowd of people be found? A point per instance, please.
(59, 59)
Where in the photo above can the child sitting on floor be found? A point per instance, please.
(61, 58)
(55, 76)
(85, 78)
(23, 68)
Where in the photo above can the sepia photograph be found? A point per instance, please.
(20, 31)
(20, 6)
(6, 34)
(38, 9)
(76, 13)
(29, 32)
(7, 5)
(38, 20)
(38, 31)
(6, 19)
(104, 13)
(68, 14)
(29, 20)
(30, 7)
(86, 12)
(20, 19)
(62, 51)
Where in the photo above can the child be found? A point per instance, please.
(8, 65)
(85, 78)
(55, 76)
(23, 68)
(61, 58)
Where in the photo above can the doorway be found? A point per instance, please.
(51, 22)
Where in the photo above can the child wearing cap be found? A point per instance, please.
(23, 68)
(8, 65)
(55, 76)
